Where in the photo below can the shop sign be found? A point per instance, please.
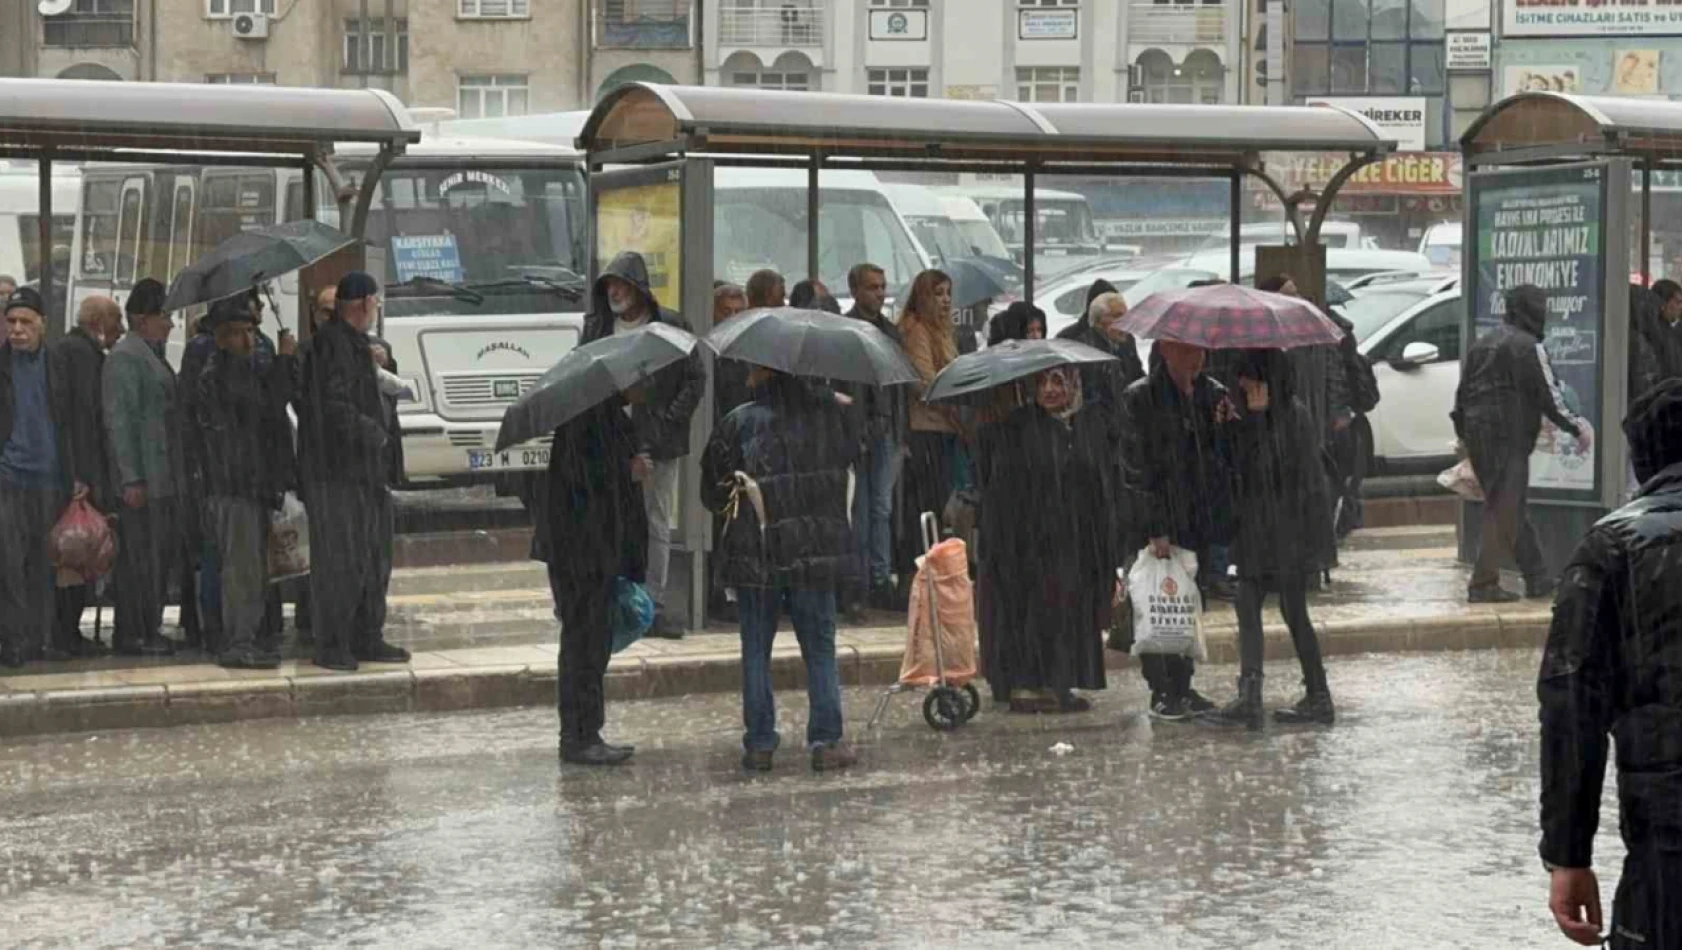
(1399, 117)
(1590, 18)
(1402, 173)
(1047, 24)
(1468, 51)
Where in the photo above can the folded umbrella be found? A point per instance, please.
(1230, 316)
(979, 372)
(250, 258)
(588, 376)
(813, 343)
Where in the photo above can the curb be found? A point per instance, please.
(458, 689)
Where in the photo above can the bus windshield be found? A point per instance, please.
(508, 231)
(940, 237)
(1057, 222)
(758, 228)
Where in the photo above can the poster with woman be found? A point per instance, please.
(1635, 72)
(1542, 77)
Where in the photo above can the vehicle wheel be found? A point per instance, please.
(972, 701)
(943, 709)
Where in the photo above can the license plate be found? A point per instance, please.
(485, 460)
(506, 388)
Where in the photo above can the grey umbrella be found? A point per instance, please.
(250, 258)
(590, 374)
(977, 373)
(813, 343)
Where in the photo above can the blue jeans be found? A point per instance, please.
(873, 507)
(814, 625)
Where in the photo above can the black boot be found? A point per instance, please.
(1315, 709)
(1246, 710)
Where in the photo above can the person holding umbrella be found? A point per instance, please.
(777, 469)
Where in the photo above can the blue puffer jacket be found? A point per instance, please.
(795, 445)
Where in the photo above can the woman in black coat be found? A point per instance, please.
(1049, 559)
(597, 531)
(1283, 530)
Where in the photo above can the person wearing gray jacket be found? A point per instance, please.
(139, 395)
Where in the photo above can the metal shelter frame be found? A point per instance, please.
(1534, 128)
(640, 123)
(53, 120)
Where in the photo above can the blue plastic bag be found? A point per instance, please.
(631, 613)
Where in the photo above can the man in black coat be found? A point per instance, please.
(777, 467)
(1103, 383)
(347, 459)
(1506, 386)
(622, 301)
(1613, 668)
(99, 323)
(242, 445)
(598, 527)
(39, 469)
(1175, 462)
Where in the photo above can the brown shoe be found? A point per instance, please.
(828, 758)
(757, 760)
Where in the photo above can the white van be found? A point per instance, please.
(1441, 243)
(1063, 221)
(924, 212)
(20, 222)
(972, 223)
(759, 222)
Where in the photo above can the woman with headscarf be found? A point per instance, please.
(935, 467)
(1020, 321)
(1048, 563)
(1282, 531)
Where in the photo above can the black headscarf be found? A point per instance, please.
(1099, 288)
(1654, 429)
(1014, 322)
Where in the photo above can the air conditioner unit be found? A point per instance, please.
(251, 26)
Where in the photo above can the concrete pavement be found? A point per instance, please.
(1399, 590)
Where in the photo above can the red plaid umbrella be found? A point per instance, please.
(1231, 316)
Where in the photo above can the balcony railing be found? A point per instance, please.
(1187, 23)
(644, 24)
(89, 31)
(788, 26)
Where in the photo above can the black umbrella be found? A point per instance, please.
(251, 257)
(974, 280)
(590, 374)
(813, 343)
(976, 373)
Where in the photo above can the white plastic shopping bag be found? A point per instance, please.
(1460, 479)
(289, 540)
(1167, 606)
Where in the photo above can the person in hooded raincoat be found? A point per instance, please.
(1506, 387)
(1612, 670)
(597, 523)
(622, 301)
(1282, 531)
(1050, 558)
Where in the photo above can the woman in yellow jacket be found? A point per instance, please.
(937, 464)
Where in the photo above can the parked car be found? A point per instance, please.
(1442, 279)
(1064, 298)
(1341, 265)
(1412, 334)
(1441, 243)
(1338, 234)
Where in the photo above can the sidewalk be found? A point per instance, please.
(1399, 589)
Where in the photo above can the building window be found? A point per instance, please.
(912, 83)
(1201, 79)
(376, 61)
(1048, 3)
(91, 24)
(643, 24)
(772, 79)
(240, 79)
(227, 8)
(493, 9)
(1048, 84)
(1368, 47)
(491, 97)
(900, 4)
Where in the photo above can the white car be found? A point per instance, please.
(1412, 334)
(1064, 298)
(1441, 243)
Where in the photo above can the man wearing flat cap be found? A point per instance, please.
(348, 453)
(141, 418)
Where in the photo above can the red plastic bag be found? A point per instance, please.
(82, 544)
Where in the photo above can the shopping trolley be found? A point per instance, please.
(942, 579)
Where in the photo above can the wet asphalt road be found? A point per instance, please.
(1410, 824)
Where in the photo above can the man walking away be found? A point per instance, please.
(99, 323)
(36, 463)
(244, 448)
(884, 412)
(346, 463)
(1613, 667)
(1176, 462)
(141, 419)
(778, 468)
(1506, 386)
(595, 471)
(622, 301)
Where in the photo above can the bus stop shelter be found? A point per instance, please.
(58, 120)
(672, 137)
(1559, 195)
